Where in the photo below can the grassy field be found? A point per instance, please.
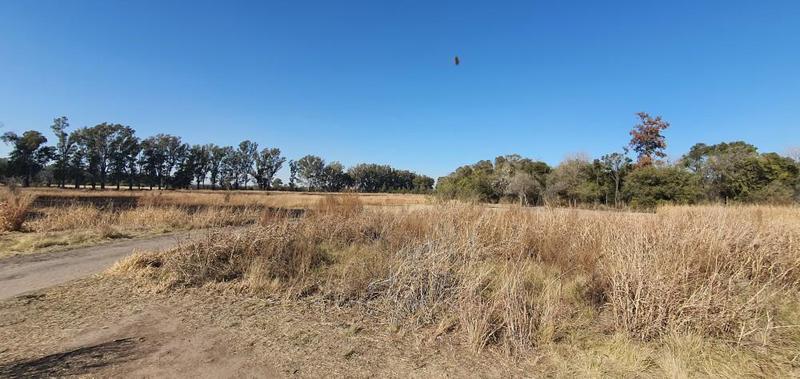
(53, 219)
(706, 291)
(688, 291)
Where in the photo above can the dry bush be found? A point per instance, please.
(518, 278)
(274, 258)
(14, 208)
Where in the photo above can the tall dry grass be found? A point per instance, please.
(14, 208)
(520, 279)
(273, 199)
(148, 217)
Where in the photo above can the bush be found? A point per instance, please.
(650, 186)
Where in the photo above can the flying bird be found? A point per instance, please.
(456, 60)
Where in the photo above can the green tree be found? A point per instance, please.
(98, 142)
(647, 187)
(615, 166)
(64, 149)
(573, 182)
(247, 153)
(28, 155)
(229, 172)
(311, 172)
(334, 178)
(152, 159)
(125, 149)
(200, 161)
(175, 153)
(216, 158)
(293, 174)
(268, 162)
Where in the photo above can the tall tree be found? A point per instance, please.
(616, 166)
(334, 178)
(98, 142)
(268, 162)
(522, 184)
(292, 174)
(28, 155)
(647, 140)
(175, 154)
(77, 161)
(64, 148)
(248, 151)
(125, 149)
(216, 158)
(229, 172)
(200, 158)
(152, 160)
(310, 170)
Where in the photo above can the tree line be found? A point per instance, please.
(637, 175)
(110, 154)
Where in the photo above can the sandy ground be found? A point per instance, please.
(105, 327)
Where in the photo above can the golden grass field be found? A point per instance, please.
(708, 291)
(688, 291)
(59, 219)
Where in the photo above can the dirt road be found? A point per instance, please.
(25, 273)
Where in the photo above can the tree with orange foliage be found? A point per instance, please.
(646, 139)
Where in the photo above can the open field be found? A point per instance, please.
(275, 199)
(446, 289)
(59, 219)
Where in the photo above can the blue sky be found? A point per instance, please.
(373, 81)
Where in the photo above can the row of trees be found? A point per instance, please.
(723, 172)
(112, 154)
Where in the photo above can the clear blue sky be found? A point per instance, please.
(374, 81)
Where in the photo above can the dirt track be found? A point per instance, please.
(26, 273)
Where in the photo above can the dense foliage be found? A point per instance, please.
(725, 172)
(638, 176)
(112, 154)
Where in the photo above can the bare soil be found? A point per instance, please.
(104, 327)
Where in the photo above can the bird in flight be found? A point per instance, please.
(456, 60)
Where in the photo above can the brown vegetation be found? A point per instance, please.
(274, 199)
(67, 218)
(14, 208)
(562, 284)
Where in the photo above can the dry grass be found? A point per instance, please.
(61, 219)
(634, 289)
(272, 199)
(14, 208)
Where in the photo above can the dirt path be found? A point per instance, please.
(26, 273)
(106, 326)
